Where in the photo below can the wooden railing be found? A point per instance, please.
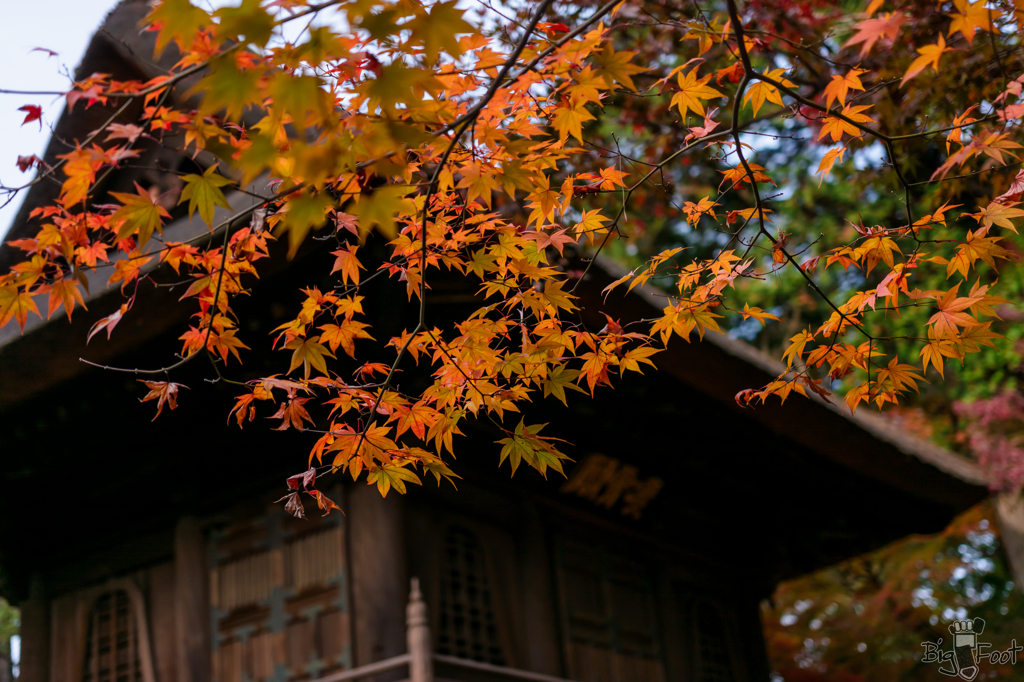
(420, 660)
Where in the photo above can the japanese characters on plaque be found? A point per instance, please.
(607, 482)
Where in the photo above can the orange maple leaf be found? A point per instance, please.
(840, 86)
(348, 264)
(16, 305)
(66, 293)
(950, 316)
(870, 31)
(291, 413)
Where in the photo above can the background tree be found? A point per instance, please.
(866, 619)
(9, 623)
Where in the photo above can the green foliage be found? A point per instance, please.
(866, 619)
(9, 624)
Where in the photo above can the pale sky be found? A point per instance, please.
(64, 26)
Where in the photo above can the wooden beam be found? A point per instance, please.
(192, 602)
(1010, 516)
(538, 595)
(379, 581)
(35, 635)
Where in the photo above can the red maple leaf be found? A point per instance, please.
(33, 112)
(26, 162)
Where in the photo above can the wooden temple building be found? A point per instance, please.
(154, 552)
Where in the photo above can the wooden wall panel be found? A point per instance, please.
(67, 638)
(163, 622)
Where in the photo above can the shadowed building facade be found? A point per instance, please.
(155, 552)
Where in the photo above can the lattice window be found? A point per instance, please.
(112, 651)
(279, 599)
(608, 610)
(467, 624)
(714, 662)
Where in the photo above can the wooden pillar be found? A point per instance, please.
(192, 602)
(539, 606)
(1010, 516)
(35, 635)
(417, 636)
(377, 556)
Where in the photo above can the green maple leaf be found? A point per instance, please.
(392, 476)
(308, 353)
(304, 213)
(560, 379)
(526, 445)
(140, 212)
(398, 84)
(227, 88)
(248, 19)
(381, 24)
(298, 95)
(615, 66)
(180, 20)
(203, 193)
(379, 208)
(439, 30)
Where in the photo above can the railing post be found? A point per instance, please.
(417, 635)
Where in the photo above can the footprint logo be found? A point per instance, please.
(965, 646)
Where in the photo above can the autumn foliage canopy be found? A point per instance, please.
(503, 142)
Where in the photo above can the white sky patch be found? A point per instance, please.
(872, 156)
(64, 26)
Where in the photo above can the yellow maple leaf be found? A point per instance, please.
(569, 120)
(760, 91)
(829, 160)
(969, 18)
(998, 214)
(757, 313)
(929, 57)
(691, 91)
(307, 353)
(15, 305)
(615, 66)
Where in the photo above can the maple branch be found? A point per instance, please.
(923, 133)
(50, 170)
(603, 10)
(168, 83)
(475, 110)
(902, 180)
(459, 126)
(312, 9)
(735, 130)
(966, 175)
(31, 92)
(629, 193)
(209, 326)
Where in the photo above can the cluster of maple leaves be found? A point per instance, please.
(470, 149)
